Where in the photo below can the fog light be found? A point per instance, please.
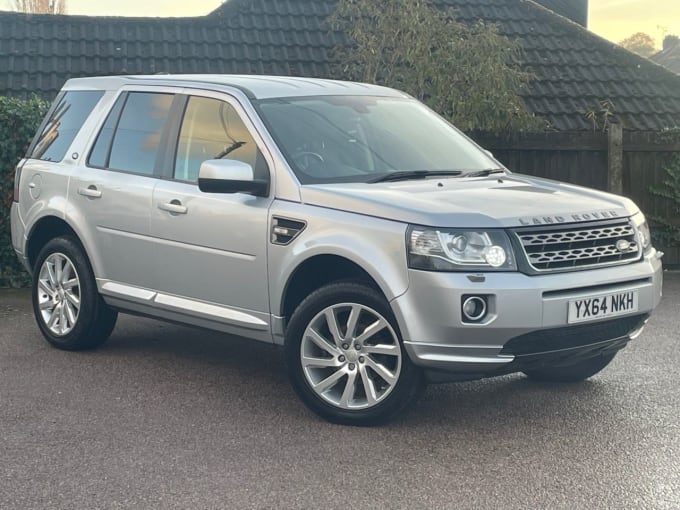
(474, 308)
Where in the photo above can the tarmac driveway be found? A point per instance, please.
(171, 417)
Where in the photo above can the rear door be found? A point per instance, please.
(113, 192)
(211, 248)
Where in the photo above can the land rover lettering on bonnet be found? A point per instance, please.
(347, 223)
(548, 220)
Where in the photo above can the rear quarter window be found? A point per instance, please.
(65, 119)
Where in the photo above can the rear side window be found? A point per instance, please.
(66, 118)
(130, 139)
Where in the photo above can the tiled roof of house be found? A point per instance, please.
(575, 10)
(574, 69)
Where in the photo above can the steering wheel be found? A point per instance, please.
(305, 159)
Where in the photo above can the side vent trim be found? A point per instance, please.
(285, 230)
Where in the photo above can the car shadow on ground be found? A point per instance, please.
(204, 358)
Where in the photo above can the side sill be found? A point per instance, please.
(184, 306)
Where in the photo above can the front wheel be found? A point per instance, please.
(68, 309)
(345, 357)
(571, 373)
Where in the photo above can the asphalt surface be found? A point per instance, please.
(170, 417)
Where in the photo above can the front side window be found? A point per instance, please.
(131, 136)
(212, 129)
(66, 118)
(330, 139)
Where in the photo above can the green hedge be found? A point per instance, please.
(19, 120)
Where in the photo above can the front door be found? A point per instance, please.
(211, 249)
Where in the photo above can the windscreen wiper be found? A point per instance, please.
(229, 150)
(484, 173)
(413, 174)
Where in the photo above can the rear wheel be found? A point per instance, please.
(571, 373)
(345, 356)
(68, 309)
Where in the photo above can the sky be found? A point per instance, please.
(617, 19)
(612, 19)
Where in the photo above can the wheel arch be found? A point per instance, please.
(46, 228)
(317, 271)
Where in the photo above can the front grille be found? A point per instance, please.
(568, 337)
(551, 248)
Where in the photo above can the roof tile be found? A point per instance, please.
(574, 69)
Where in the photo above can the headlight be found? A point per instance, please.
(459, 250)
(643, 234)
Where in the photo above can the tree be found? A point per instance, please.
(469, 74)
(40, 6)
(640, 43)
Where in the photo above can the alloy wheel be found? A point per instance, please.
(59, 294)
(350, 356)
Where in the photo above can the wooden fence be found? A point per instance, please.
(627, 163)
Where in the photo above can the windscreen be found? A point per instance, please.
(329, 139)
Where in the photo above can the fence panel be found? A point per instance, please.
(577, 158)
(581, 158)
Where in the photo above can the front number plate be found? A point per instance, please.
(606, 305)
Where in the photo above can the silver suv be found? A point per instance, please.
(347, 223)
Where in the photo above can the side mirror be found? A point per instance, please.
(230, 176)
(489, 153)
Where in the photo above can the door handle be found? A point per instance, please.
(174, 207)
(91, 192)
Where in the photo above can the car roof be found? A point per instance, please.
(254, 86)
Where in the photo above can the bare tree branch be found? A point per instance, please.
(40, 6)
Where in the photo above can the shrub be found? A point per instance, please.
(668, 232)
(19, 119)
(470, 74)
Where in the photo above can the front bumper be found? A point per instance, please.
(527, 310)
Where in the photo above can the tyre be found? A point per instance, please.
(345, 357)
(68, 309)
(571, 373)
